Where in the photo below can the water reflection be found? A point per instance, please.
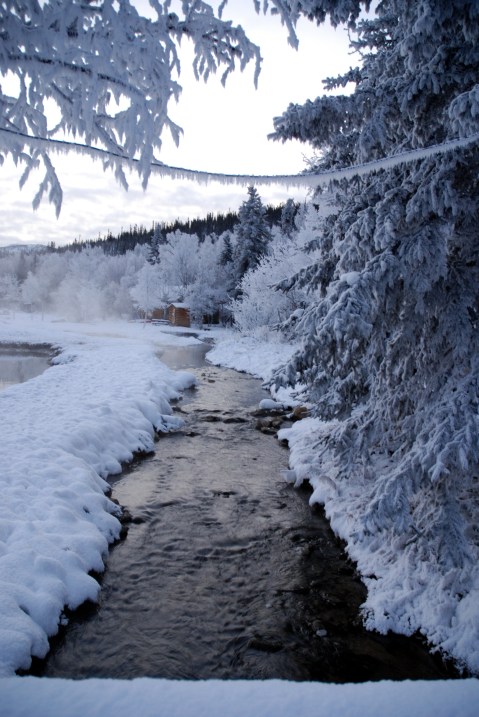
(184, 357)
(20, 366)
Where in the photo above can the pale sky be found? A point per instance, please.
(225, 130)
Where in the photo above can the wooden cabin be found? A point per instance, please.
(159, 314)
(179, 315)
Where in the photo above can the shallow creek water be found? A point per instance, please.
(20, 364)
(226, 571)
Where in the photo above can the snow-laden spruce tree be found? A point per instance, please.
(391, 350)
(253, 234)
(157, 240)
(288, 216)
(226, 256)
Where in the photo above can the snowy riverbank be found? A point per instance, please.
(62, 433)
(246, 353)
(408, 590)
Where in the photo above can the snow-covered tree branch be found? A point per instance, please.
(99, 71)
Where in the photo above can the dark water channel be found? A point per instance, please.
(20, 364)
(226, 572)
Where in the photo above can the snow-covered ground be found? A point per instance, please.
(33, 697)
(256, 356)
(61, 434)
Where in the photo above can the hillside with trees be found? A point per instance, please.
(140, 270)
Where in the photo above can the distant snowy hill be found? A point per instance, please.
(23, 247)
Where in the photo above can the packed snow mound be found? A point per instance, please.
(267, 404)
(62, 433)
(251, 355)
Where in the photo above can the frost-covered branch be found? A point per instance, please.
(102, 72)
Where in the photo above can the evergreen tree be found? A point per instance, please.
(227, 253)
(391, 350)
(288, 215)
(226, 268)
(253, 234)
(261, 307)
(153, 255)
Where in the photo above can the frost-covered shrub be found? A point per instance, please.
(261, 304)
(147, 292)
(82, 285)
(208, 293)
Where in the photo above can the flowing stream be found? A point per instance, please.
(226, 571)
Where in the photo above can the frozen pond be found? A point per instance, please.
(226, 571)
(18, 365)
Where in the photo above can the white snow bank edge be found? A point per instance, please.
(36, 697)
